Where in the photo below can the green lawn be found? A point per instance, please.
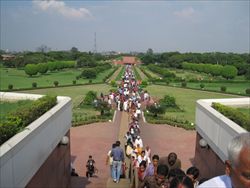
(237, 88)
(7, 107)
(121, 73)
(185, 98)
(20, 80)
(77, 93)
(153, 75)
(142, 75)
(245, 111)
(189, 75)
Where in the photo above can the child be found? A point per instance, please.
(90, 167)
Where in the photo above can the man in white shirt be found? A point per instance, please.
(138, 140)
(237, 165)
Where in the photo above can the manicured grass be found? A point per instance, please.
(77, 93)
(153, 75)
(245, 111)
(189, 75)
(19, 79)
(121, 73)
(7, 107)
(142, 75)
(237, 88)
(185, 98)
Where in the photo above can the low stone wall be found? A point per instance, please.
(217, 131)
(24, 154)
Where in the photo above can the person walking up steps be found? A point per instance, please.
(118, 158)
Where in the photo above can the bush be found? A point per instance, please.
(34, 84)
(183, 84)
(223, 88)
(78, 77)
(229, 71)
(90, 81)
(42, 68)
(156, 109)
(248, 91)
(144, 83)
(74, 82)
(23, 116)
(89, 73)
(90, 97)
(202, 86)
(168, 101)
(31, 69)
(233, 114)
(113, 83)
(56, 83)
(10, 86)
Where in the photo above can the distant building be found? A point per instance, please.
(127, 60)
(7, 57)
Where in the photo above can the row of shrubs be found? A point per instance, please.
(169, 120)
(110, 74)
(93, 72)
(161, 71)
(137, 75)
(233, 114)
(42, 68)
(228, 71)
(145, 72)
(55, 83)
(79, 120)
(16, 121)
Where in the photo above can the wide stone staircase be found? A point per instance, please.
(124, 182)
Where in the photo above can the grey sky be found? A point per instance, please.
(185, 26)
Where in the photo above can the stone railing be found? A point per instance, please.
(215, 128)
(23, 154)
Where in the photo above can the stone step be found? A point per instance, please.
(123, 183)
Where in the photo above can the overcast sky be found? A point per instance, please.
(185, 26)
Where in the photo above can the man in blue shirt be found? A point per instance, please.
(118, 158)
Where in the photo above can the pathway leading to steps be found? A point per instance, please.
(96, 139)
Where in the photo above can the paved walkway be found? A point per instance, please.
(96, 140)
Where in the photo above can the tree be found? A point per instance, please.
(31, 69)
(42, 68)
(229, 72)
(168, 101)
(86, 61)
(150, 51)
(156, 109)
(74, 49)
(90, 97)
(89, 73)
(52, 66)
(102, 106)
(43, 48)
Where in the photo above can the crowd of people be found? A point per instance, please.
(152, 171)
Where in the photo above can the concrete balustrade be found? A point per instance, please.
(217, 130)
(23, 154)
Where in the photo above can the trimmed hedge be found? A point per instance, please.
(23, 116)
(162, 71)
(172, 121)
(146, 73)
(233, 114)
